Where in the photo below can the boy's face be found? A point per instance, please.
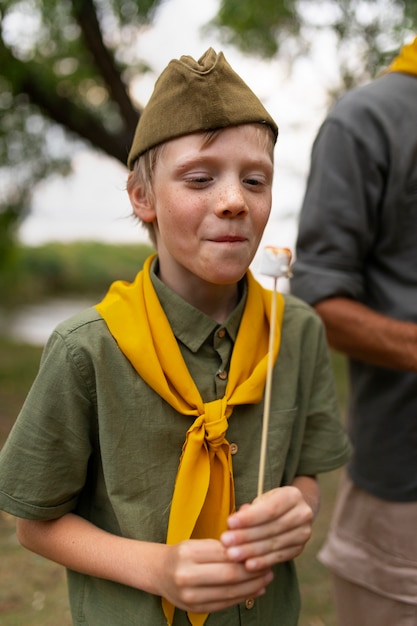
(211, 202)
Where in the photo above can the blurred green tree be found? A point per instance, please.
(67, 66)
(366, 33)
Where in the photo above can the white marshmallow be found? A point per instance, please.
(275, 262)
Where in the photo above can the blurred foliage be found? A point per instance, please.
(78, 268)
(67, 68)
(366, 33)
(257, 26)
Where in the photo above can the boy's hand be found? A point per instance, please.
(199, 577)
(274, 528)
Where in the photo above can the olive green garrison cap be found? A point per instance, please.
(191, 96)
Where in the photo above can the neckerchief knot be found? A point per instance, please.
(215, 423)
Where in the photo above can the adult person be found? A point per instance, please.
(357, 265)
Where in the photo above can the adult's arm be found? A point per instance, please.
(363, 334)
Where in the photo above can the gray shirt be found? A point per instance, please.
(358, 239)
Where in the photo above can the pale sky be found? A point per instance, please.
(93, 204)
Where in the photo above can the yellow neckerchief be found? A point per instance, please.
(204, 493)
(406, 61)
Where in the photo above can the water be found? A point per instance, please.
(33, 324)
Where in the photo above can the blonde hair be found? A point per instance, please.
(143, 174)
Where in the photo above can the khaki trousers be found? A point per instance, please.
(371, 551)
(357, 606)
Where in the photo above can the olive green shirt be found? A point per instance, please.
(93, 438)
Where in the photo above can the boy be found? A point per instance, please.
(92, 468)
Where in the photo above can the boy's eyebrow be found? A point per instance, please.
(192, 160)
(202, 159)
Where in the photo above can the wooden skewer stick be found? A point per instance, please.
(268, 386)
(275, 263)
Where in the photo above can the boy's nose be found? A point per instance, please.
(232, 202)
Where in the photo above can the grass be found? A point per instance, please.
(58, 269)
(33, 590)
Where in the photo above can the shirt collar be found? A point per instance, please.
(189, 325)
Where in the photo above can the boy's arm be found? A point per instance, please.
(310, 490)
(193, 575)
(275, 527)
(77, 544)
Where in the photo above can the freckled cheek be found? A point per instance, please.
(178, 222)
(260, 217)
(168, 210)
(189, 215)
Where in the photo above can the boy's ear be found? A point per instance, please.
(141, 204)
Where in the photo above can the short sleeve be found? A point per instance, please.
(43, 464)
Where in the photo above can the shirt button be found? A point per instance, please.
(222, 375)
(221, 333)
(233, 448)
(250, 603)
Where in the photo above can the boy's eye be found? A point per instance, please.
(256, 182)
(199, 179)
